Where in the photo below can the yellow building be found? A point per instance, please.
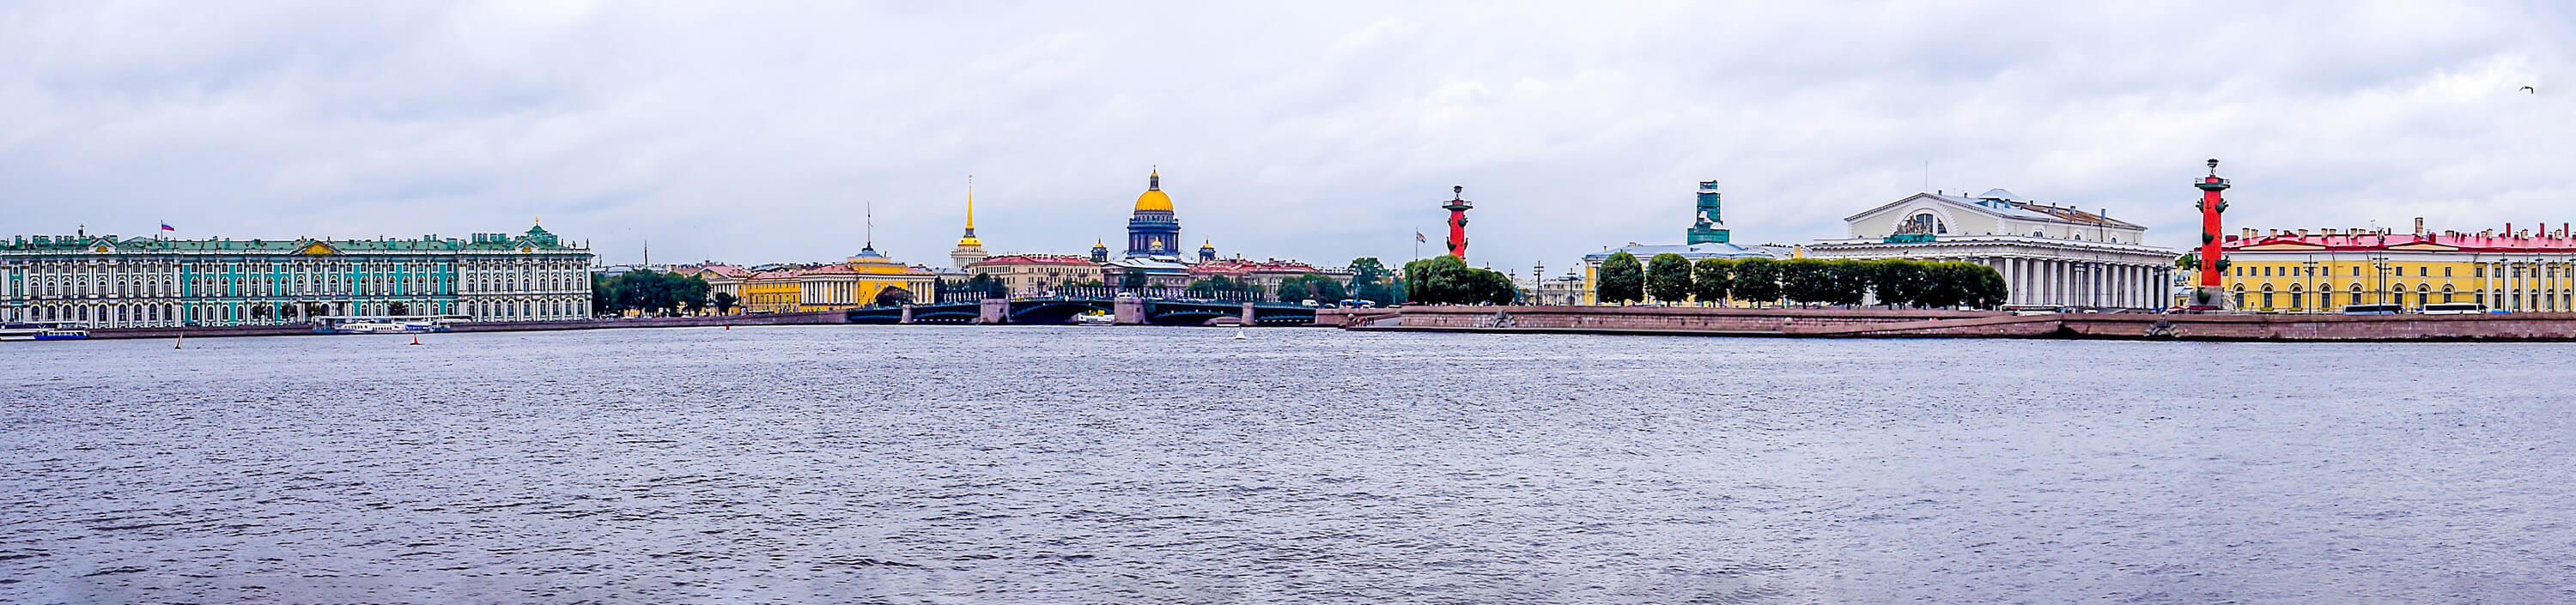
(868, 279)
(773, 291)
(2300, 271)
(864, 280)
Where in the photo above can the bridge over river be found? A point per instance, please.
(1128, 310)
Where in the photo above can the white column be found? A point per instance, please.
(2039, 281)
(2056, 285)
(2012, 280)
(2119, 281)
(2129, 286)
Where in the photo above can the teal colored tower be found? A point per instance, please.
(1709, 228)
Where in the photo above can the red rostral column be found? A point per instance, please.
(1457, 208)
(2211, 205)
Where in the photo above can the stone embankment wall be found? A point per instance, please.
(1882, 323)
(764, 319)
(2321, 327)
(1655, 319)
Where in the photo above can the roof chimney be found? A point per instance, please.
(2419, 225)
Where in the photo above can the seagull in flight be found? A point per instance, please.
(2530, 90)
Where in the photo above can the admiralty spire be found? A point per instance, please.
(969, 248)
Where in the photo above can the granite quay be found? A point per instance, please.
(1905, 323)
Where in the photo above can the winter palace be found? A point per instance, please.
(105, 281)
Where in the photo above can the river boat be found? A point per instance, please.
(57, 330)
(381, 325)
(20, 331)
(1095, 318)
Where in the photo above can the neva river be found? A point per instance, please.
(865, 464)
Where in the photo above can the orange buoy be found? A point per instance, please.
(415, 340)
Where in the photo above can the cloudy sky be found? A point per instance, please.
(755, 132)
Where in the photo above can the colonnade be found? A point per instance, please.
(2080, 283)
(2529, 286)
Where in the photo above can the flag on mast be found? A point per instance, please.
(167, 227)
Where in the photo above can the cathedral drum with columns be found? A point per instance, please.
(2048, 254)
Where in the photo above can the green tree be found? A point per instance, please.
(1804, 281)
(1314, 287)
(988, 287)
(1850, 279)
(1757, 280)
(1620, 280)
(725, 302)
(690, 291)
(1946, 284)
(1369, 281)
(1711, 280)
(1668, 278)
(395, 308)
(1991, 289)
(1131, 280)
(1895, 282)
(1293, 289)
(1496, 288)
(1446, 280)
(604, 296)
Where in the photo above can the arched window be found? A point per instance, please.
(2267, 296)
(2423, 295)
(2297, 302)
(2447, 292)
(2240, 296)
(2357, 293)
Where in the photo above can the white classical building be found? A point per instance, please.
(110, 282)
(2048, 254)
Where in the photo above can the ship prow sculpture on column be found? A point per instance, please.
(2207, 294)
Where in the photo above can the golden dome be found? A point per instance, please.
(1153, 199)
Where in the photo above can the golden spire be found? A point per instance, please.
(969, 240)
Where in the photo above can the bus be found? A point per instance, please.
(2374, 309)
(2455, 309)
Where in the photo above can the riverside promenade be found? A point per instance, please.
(1887, 323)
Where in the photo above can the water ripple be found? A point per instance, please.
(1145, 465)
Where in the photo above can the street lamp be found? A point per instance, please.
(2308, 270)
(2379, 268)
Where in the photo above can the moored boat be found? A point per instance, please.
(55, 330)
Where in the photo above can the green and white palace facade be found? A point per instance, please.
(108, 282)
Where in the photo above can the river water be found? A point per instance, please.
(947, 464)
